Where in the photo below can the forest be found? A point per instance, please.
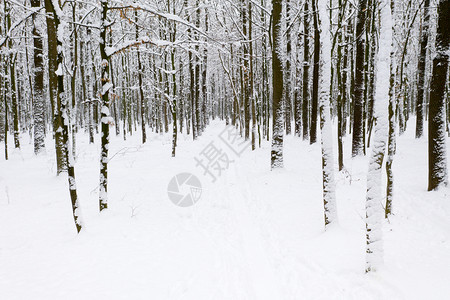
(314, 136)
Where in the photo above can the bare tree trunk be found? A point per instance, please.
(277, 85)
(421, 69)
(374, 208)
(197, 74)
(73, 112)
(181, 94)
(174, 87)
(205, 116)
(358, 99)
(316, 66)
(251, 87)
(287, 91)
(392, 127)
(38, 98)
(437, 158)
(328, 183)
(105, 115)
(305, 103)
(62, 106)
(245, 71)
(12, 80)
(13, 91)
(298, 83)
(341, 87)
(141, 91)
(192, 87)
(6, 127)
(53, 84)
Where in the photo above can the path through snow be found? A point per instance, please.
(254, 234)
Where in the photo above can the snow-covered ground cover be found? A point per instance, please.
(254, 233)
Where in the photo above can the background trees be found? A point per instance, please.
(150, 66)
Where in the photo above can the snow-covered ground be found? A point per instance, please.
(254, 234)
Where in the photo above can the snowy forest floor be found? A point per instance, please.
(254, 234)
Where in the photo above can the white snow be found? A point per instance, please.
(107, 120)
(130, 43)
(254, 234)
(59, 71)
(105, 110)
(106, 87)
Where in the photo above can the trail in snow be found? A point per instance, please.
(254, 234)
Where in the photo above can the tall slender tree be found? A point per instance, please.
(392, 124)
(105, 116)
(12, 79)
(287, 83)
(316, 67)
(277, 86)
(52, 51)
(358, 99)
(437, 157)
(63, 112)
(38, 89)
(305, 87)
(421, 68)
(328, 183)
(374, 208)
(141, 89)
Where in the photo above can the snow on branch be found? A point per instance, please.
(167, 16)
(128, 44)
(15, 25)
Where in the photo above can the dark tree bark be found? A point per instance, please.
(53, 85)
(287, 92)
(205, 116)
(62, 111)
(437, 160)
(251, 96)
(2, 101)
(392, 128)
(12, 80)
(421, 69)
(277, 85)
(316, 67)
(6, 127)
(372, 48)
(105, 116)
(141, 90)
(182, 94)
(358, 99)
(341, 78)
(197, 74)
(192, 103)
(298, 83)
(73, 85)
(38, 89)
(173, 107)
(90, 79)
(305, 102)
(245, 71)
